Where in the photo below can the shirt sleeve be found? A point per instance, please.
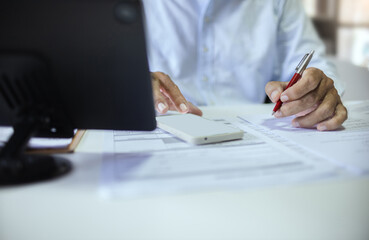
(296, 37)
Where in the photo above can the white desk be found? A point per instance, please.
(70, 208)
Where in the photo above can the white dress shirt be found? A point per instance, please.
(225, 51)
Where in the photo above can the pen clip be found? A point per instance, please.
(304, 62)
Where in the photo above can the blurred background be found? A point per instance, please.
(344, 27)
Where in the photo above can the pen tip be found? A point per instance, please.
(273, 113)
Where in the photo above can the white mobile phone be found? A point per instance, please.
(198, 130)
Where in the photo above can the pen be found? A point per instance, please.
(298, 73)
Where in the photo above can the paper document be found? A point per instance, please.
(151, 163)
(348, 147)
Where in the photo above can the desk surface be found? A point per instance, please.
(70, 207)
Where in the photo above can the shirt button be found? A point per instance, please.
(205, 79)
(205, 49)
(207, 19)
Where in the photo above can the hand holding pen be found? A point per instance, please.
(311, 96)
(298, 74)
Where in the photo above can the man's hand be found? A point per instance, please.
(314, 100)
(167, 96)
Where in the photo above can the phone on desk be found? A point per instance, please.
(197, 130)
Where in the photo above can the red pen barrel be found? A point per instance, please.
(293, 80)
(277, 106)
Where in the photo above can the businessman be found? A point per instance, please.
(223, 52)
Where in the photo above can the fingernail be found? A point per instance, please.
(278, 114)
(183, 107)
(274, 95)
(322, 127)
(284, 98)
(295, 124)
(161, 107)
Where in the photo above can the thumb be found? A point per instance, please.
(274, 89)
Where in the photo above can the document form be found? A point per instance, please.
(348, 147)
(150, 163)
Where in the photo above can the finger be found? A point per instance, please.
(172, 91)
(307, 111)
(324, 111)
(308, 82)
(171, 105)
(302, 105)
(274, 89)
(160, 101)
(336, 121)
(194, 110)
(306, 103)
(191, 108)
